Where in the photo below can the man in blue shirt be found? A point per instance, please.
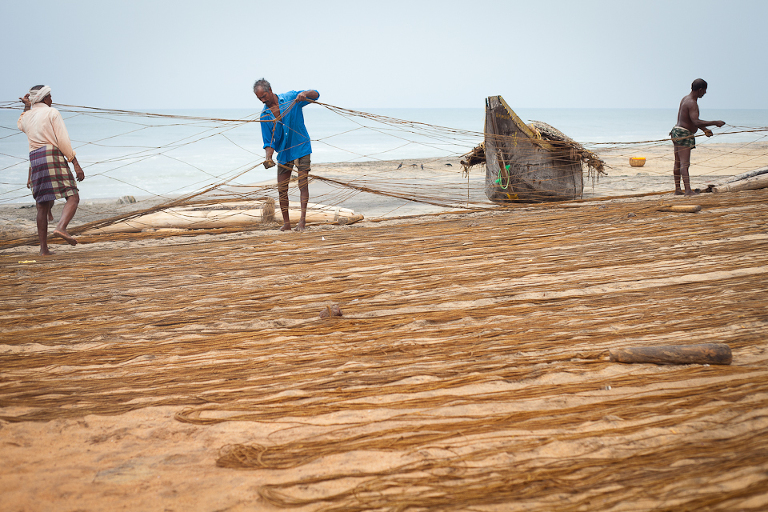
(283, 130)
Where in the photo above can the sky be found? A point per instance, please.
(156, 54)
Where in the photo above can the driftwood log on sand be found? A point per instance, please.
(753, 183)
(708, 353)
(225, 215)
(681, 208)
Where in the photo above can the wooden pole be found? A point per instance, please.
(708, 353)
(753, 183)
(681, 208)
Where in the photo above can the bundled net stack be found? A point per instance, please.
(594, 164)
(556, 138)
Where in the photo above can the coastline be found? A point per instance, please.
(439, 176)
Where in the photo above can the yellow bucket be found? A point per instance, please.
(637, 161)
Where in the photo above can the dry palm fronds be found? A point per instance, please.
(561, 140)
(474, 157)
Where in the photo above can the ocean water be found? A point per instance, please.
(147, 156)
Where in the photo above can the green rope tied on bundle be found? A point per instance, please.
(499, 180)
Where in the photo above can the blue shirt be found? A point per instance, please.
(288, 136)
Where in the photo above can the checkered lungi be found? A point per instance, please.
(51, 177)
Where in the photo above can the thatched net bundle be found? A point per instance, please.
(544, 132)
(561, 140)
(474, 157)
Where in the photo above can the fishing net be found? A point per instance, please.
(468, 370)
(366, 180)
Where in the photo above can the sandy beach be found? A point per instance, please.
(417, 182)
(469, 370)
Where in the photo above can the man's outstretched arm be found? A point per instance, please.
(700, 123)
(307, 95)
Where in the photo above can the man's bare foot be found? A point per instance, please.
(300, 226)
(678, 192)
(692, 193)
(50, 216)
(45, 252)
(286, 227)
(66, 236)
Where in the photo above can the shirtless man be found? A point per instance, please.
(688, 123)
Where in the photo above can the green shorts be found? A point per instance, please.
(682, 137)
(301, 164)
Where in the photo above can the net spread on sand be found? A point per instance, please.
(469, 367)
(467, 372)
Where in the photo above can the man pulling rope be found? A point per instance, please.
(283, 130)
(688, 123)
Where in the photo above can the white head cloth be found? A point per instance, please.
(38, 95)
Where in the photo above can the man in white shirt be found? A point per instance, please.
(50, 152)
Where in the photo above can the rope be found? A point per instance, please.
(441, 187)
(468, 370)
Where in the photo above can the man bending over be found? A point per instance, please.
(283, 130)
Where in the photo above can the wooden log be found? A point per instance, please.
(321, 207)
(754, 183)
(323, 217)
(707, 353)
(344, 220)
(745, 175)
(186, 218)
(227, 215)
(681, 208)
(182, 218)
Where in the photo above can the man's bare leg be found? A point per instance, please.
(283, 178)
(66, 215)
(304, 188)
(50, 212)
(676, 172)
(685, 163)
(682, 165)
(42, 226)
